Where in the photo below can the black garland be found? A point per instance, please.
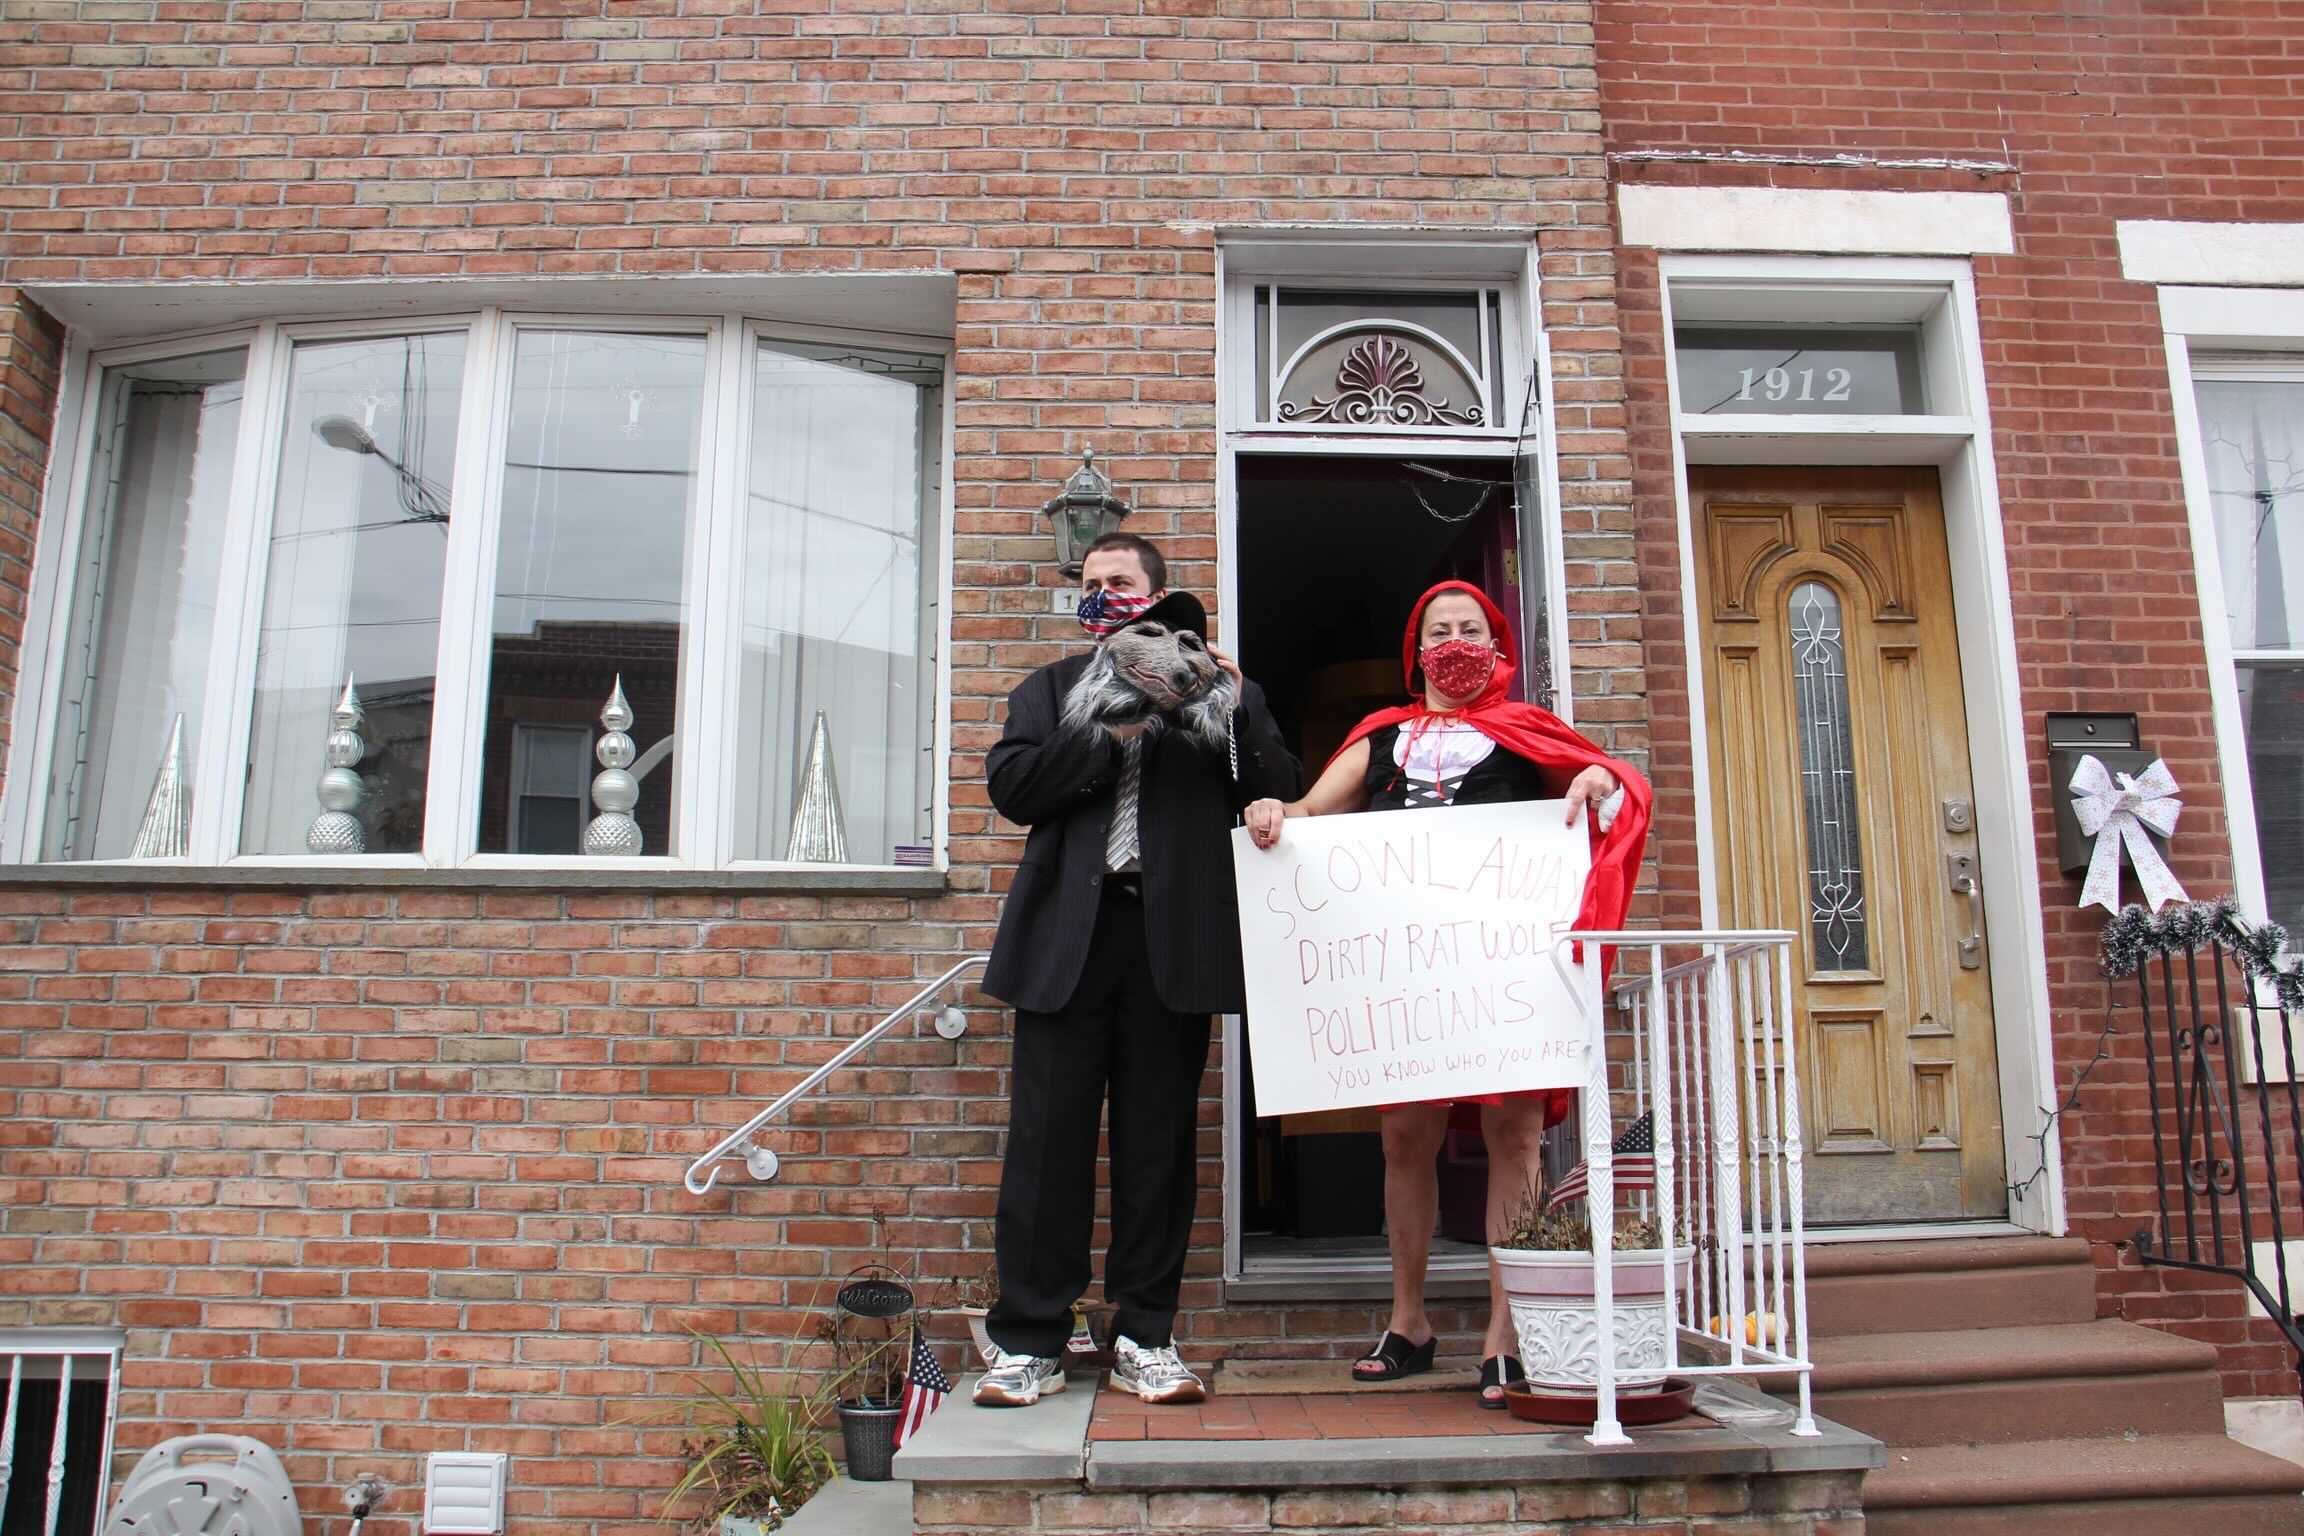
(2133, 937)
(2136, 935)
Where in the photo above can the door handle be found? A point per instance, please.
(1960, 870)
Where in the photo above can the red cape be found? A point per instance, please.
(1545, 740)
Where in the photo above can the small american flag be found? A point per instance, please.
(924, 1387)
(1633, 1156)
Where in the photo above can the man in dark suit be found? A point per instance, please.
(1119, 938)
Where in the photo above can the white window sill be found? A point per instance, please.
(563, 877)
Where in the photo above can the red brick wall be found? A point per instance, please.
(2125, 110)
(380, 1171)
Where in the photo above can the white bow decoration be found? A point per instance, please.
(2117, 814)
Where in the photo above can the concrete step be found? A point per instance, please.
(2002, 1385)
(2164, 1485)
(1964, 1283)
(845, 1507)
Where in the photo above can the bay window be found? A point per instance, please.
(461, 592)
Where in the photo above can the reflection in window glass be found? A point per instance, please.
(1828, 779)
(352, 585)
(599, 494)
(834, 619)
(551, 767)
(143, 606)
(2253, 434)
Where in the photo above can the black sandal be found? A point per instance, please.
(1398, 1358)
(1496, 1373)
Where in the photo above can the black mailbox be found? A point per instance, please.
(2110, 739)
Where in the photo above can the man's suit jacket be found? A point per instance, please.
(1060, 784)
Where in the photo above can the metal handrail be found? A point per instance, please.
(951, 1024)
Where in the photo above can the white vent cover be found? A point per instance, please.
(464, 1493)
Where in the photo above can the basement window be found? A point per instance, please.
(58, 1392)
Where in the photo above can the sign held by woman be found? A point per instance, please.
(1394, 958)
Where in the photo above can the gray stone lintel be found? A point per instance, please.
(962, 1443)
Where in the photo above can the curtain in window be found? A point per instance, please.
(137, 648)
(834, 617)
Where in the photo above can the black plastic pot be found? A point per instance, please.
(868, 1432)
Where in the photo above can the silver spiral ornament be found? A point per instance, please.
(337, 830)
(613, 833)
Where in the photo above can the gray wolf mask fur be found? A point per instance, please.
(1155, 675)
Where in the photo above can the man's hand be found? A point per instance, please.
(1594, 784)
(1231, 668)
(1264, 818)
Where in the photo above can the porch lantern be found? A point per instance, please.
(1083, 512)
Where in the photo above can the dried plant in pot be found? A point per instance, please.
(756, 1453)
(1545, 1259)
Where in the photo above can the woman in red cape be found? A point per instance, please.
(1465, 742)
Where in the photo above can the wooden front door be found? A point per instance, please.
(1843, 810)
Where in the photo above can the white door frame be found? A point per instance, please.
(1956, 437)
(1381, 259)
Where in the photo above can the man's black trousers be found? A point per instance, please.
(1114, 1035)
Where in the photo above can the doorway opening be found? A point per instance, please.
(1332, 552)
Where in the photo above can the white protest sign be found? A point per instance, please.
(1399, 956)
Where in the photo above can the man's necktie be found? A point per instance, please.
(1120, 842)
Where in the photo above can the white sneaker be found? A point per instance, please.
(1155, 1375)
(1018, 1381)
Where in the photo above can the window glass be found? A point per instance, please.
(1837, 929)
(359, 539)
(551, 764)
(835, 622)
(1811, 371)
(140, 636)
(2252, 431)
(599, 496)
(2254, 436)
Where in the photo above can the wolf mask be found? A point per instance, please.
(1156, 672)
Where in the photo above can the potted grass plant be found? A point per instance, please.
(757, 1455)
(1546, 1262)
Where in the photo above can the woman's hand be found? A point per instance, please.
(1227, 666)
(1594, 784)
(1264, 818)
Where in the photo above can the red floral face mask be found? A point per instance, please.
(1458, 669)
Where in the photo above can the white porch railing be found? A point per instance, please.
(1702, 1035)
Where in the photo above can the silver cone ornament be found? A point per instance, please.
(166, 831)
(613, 833)
(817, 835)
(336, 829)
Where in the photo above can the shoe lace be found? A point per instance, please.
(1162, 1362)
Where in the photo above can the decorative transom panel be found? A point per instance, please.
(1370, 360)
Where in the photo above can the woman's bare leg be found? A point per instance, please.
(1412, 1138)
(1514, 1131)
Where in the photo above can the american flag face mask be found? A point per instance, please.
(1104, 613)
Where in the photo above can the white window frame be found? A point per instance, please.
(2210, 332)
(704, 790)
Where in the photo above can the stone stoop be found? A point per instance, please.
(2010, 1409)
(1049, 1469)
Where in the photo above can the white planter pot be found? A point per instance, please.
(1559, 1330)
(741, 1525)
(978, 1335)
